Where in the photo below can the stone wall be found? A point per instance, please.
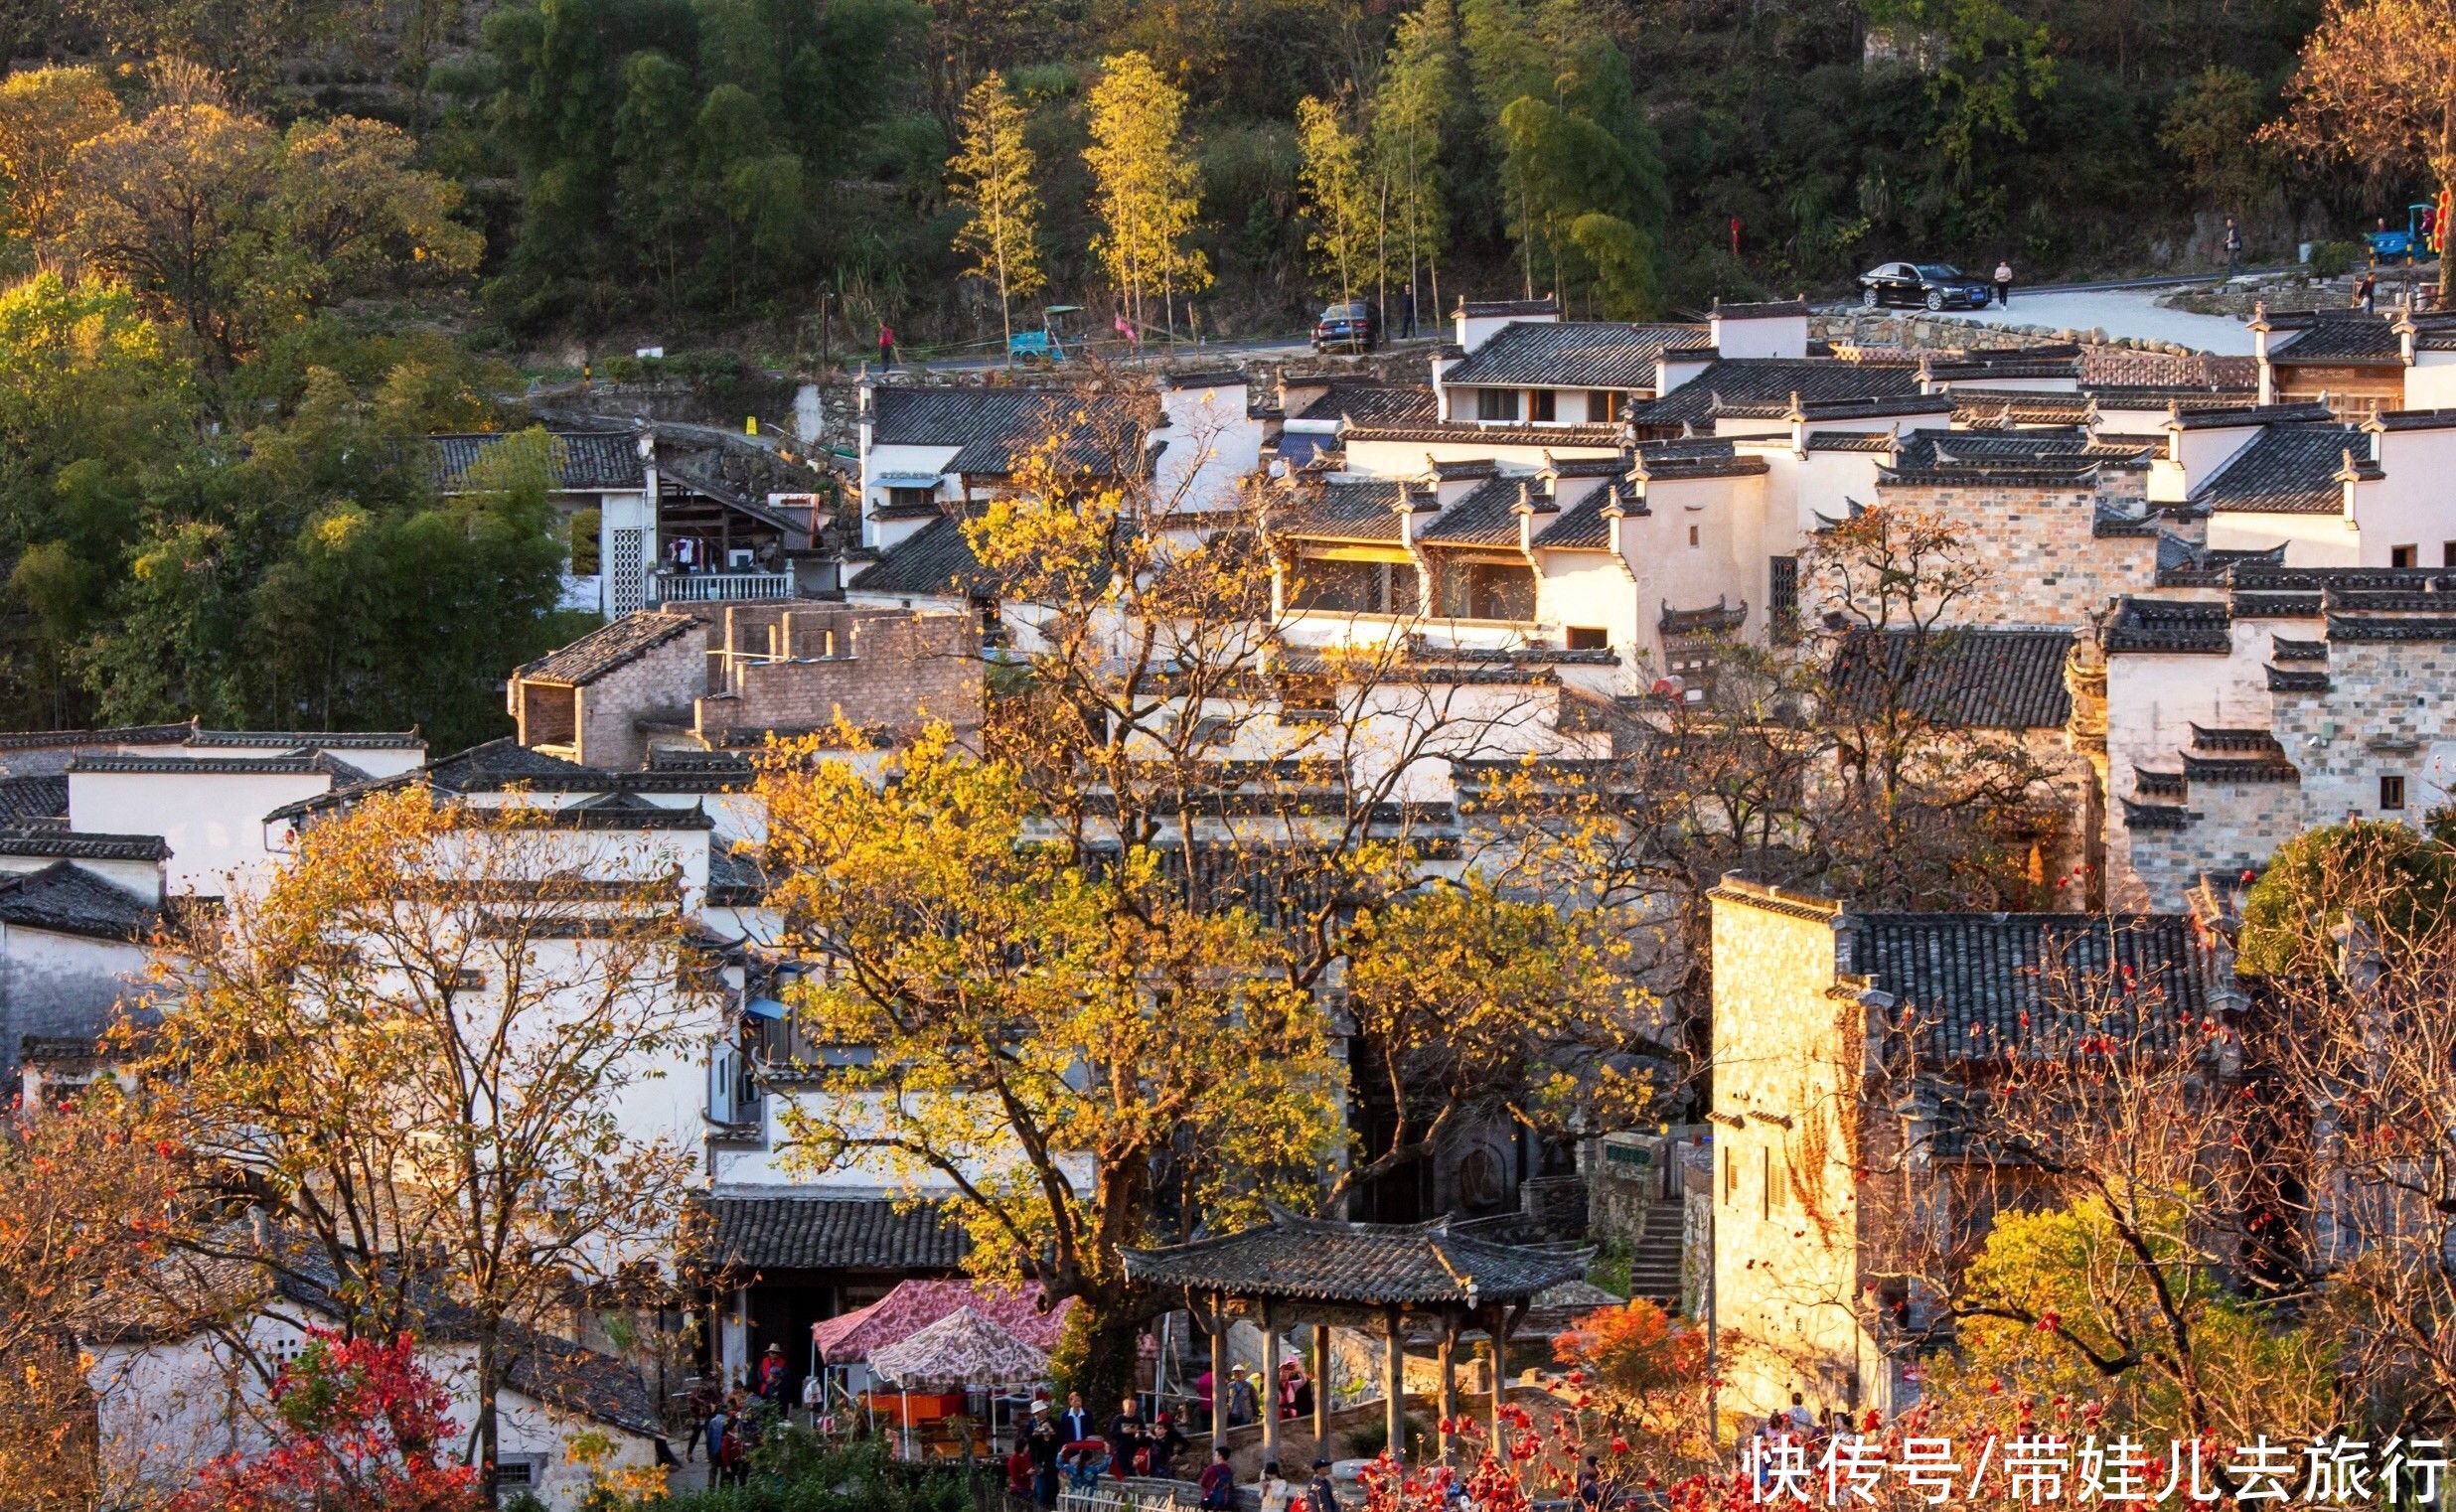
(2050, 565)
(2235, 828)
(2385, 713)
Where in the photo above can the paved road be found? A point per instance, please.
(2118, 312)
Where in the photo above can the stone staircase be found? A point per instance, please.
(1655, 1261)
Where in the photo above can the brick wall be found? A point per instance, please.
(879, 669)
(659, 685)
(2050, 566)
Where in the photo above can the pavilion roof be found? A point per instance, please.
(1358, 1263)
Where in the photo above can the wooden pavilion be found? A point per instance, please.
(1297, 1271)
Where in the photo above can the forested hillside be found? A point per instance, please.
(686, 166)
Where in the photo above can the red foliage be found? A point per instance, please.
(359, 1426)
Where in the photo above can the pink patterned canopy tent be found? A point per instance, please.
(915, 1304)
(963, 1348)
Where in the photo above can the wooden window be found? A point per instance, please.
(2404, 556)
(2447, 554)
(1497, 403)
(1541, 404)
(911, 498)
(1782, 594)
(1603, 405)
(2391, 793)
(1692, 536)
(1588, 638)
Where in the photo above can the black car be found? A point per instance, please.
(1937, 286)
(1354, 326)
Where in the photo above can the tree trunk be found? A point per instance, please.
(490, 1487)
(1096, 1354)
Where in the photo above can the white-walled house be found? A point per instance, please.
(167, 1405)
(611, 474)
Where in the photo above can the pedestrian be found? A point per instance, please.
(1591, 1484)
(1407, 316)
(886, 349)
(1241, 1399)
(1799, 1419)
(2367, 292)
(1219, 1483)
(1322, 1495)
(1164, 1442)
(1044, 1446)
(1300, 1396)
(1084, 1461)
(702, 1401)
(714, 1430)
(2004, 281)
(1126, 1438)
(1276, 1491)
(1074, 1424)
(772, 1373)
(2233, 248)
(1021, 1473)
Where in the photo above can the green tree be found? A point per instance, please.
(45, 114)
(1142, 195)
(238, 232)
(2333, 894)
(1415, 112)
(1989, 60)
(1339, 198)
(993, 179)
(91, 397)
(2214, 128)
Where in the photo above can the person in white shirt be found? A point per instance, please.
(1275, 1490)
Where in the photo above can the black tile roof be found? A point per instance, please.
(2367, 628)
(795, 1233)
(287, 741)
(995, 429)
(296, 762)
(67, 899)
(2338, 337)
(585, 461)
(1576, 353)
(1373, 404)
(1488, 308)
(1500, 432)
(496, 765)
(1974, 404)
(1983, 985)
(126, 734)
(1345, 508)
(1583, 527)
(1488, 514)
(1877, 408)
(2216, 417)
(1743, 379)
(2169, 625)
(2285, 470)
(609, 647)
(935, 560)
(52, 840)
(2413, 419)
(34, 798)
(1982, 678)
(1358, 1263)
(1760, 309)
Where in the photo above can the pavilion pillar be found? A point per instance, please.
(1219, 1372)
(1394, 1384)
(1322, 1386)
(1496, 1341)
(1270, 1383)
(1450, 1384)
